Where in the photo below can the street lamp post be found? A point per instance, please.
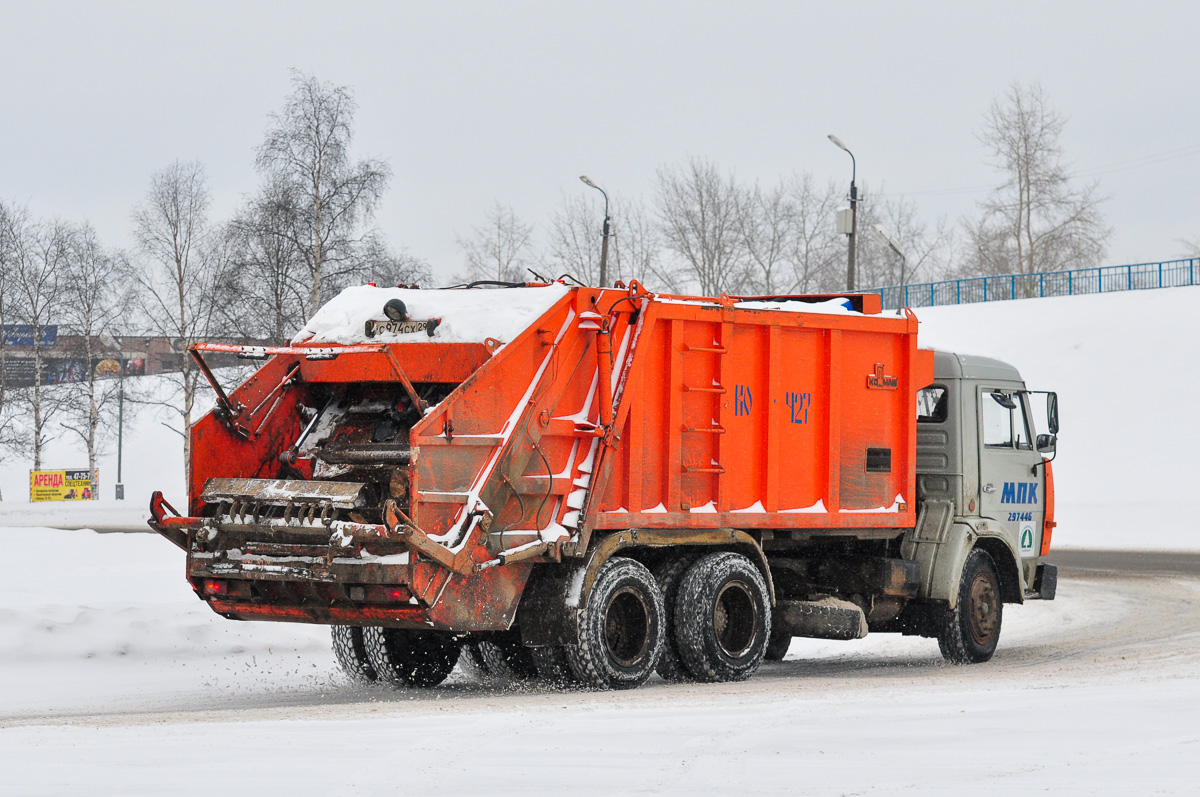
(853, 211)
(108, 339)
(895, 247)
(607, 229)
(120, 426)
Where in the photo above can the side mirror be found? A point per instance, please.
(1046, 442)
(1051, 413)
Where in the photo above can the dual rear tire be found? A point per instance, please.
(706, 619)
(703, 619)
(722, 618)
(622, 628)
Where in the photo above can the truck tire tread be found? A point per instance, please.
(668, 574)
(695, 611)
(351, 653)
(777, 646)
(472, 663)
(955, 639)
(590, 658)
(410, 657)
(507, 661)
(552, 665)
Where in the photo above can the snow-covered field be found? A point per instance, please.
(115, 679)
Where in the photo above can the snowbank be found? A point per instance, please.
(105, 620)
(1123, 365)
(467, 316)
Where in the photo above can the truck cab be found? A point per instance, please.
(984, 477)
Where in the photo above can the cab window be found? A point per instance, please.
(933, 404)
(1004, 423)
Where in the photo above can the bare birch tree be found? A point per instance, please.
(1040, 219)
(307, 148)
(767, 220)
(636, 248)
(817, 256)
(37, 271)
(699, 212)
(267, 295)
(179, 276)
(500, 248)
(575, 238)
(387, 266)
(96, 301)
(10, 438)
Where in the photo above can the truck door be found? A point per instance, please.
(1009, 490)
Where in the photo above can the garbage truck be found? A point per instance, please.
(591, 485)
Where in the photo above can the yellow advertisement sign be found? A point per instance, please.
(62, 485)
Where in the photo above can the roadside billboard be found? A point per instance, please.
(64, 485)
(22, 335)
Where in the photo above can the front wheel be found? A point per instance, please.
(968, 633)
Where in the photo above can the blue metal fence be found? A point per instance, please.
(1104, 279)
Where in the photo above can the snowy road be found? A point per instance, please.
(112, 685)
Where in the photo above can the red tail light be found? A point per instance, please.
(222, 588)
(386, 594)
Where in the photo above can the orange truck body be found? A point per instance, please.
(616, 410)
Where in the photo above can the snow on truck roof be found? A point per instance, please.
(837, 306)
(467, 316)
(472, 316)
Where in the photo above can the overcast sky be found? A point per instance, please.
(476, 102)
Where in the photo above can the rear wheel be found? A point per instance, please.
(552, 665)
(472, 662)
(621, 629)
(508, 660)
(722, 618)
(969, 632)
(668, 574)
(351, 653)
(411, 658)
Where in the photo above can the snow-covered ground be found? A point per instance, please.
(115, 679)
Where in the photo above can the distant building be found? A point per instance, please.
(64, 357)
